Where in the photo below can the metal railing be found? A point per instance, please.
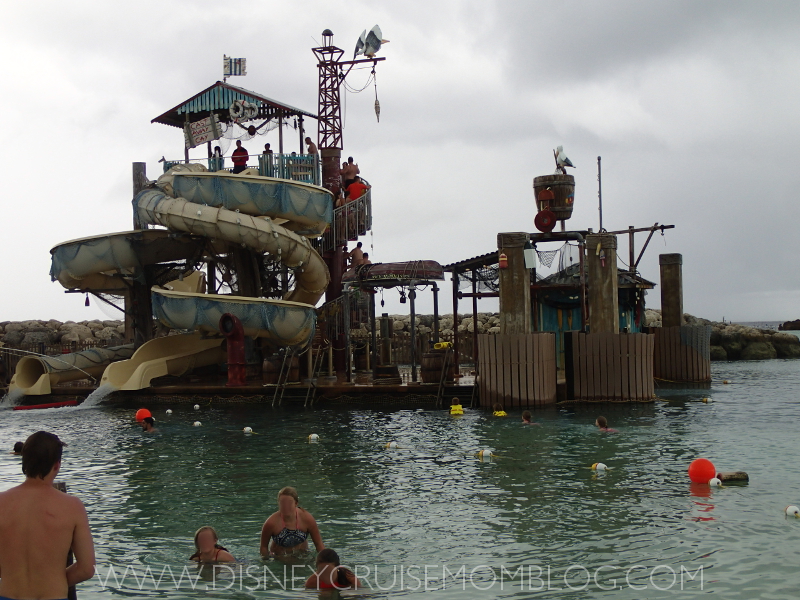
(350, 221)
(294, 167)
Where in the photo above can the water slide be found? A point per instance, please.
(198, 208)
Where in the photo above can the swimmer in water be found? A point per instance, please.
(526, 418)
(602, 425)
(17, 451)
(148, 424)
(208, 550)
(288, 529)
(329, 574)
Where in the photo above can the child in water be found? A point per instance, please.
(208, 550)
(526, 418)
(602, 425)
(330, 574)
(455, 407)
(498, 410)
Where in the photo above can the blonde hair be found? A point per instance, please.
(289, 491)
(197, 535)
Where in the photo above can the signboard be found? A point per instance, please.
(202, 131)
(233, 66)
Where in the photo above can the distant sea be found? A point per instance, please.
(766, 325)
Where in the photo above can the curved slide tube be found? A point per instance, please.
(170, 355)
(154, 207)
(35, 375)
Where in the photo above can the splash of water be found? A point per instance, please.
(12, 398)
(97, 396)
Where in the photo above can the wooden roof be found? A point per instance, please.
(218, 99)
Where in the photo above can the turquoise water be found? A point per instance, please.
(536, 505)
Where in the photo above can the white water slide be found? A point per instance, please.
(266, 215)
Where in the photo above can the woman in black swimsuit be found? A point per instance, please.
(208, 550)
(288, 529)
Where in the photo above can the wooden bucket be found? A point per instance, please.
(431, 370)
(563, 189)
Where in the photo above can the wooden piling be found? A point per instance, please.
(601, 261)
(671, 289)
(515, 285)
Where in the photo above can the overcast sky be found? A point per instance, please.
(692, 105)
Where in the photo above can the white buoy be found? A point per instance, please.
(391, 445)
(313, 437)
(169, 411)
(715, 482)
(706, 400)
(197, 407)
(485, 453)
(599, 467)
(792, 511)
(248, 430)
(197, 423)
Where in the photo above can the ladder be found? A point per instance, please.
(283, 376)
(448, 355)
(311, 392)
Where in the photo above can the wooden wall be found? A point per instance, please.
(609, 366)
(683, 353)
(517, 370)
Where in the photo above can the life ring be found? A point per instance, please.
(242, 109)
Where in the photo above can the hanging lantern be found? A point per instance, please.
(530, 256)
(378, 110)
(502, 261)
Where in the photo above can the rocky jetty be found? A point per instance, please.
(790, 325)
(21, 334)
(730, 341)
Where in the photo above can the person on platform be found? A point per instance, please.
(366, 260)
(206, 542)
(287, 530)
(17, 451)
(239, 158)
(148, 426)
(267, 149)
(39, 525)
(357, 189)
(602, 425)
(349, 171)
(329, 574)
(312, 147)
(356, 256)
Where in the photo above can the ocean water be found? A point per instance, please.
(430, 519)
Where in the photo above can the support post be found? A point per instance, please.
(603, 284)
(280, 133)
(386, 339)
(474, 320)
(412, 295)
(455, 320)
(671, 289)
(373, 334)
(435, 291)
(515, 285)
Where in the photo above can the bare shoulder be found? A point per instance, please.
(309, 518)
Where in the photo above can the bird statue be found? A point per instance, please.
(369, 43)
(561, 160)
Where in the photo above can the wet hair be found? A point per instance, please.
(329, 556)
(40, 453)
(358, 245)
(526, 415)
(18, 447)
(349, 159)
(291, 492)
(455, 401)
(497, 406)
(366, 254)
(602, 423)
(197, 546)
(149, 420)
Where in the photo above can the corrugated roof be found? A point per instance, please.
(218, 99)
(484, 260)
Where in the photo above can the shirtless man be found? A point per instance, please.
(312, 147)
(39, 525)
(356, 256)
(366, 260)
(349, 171)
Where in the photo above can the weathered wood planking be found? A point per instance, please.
(517, 369)
(609, 366)
(682, 353)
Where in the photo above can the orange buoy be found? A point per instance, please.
(502, 261)
(702, 470)
(142, 414)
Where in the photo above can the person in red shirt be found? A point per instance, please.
(239, 158)
(356, 189)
